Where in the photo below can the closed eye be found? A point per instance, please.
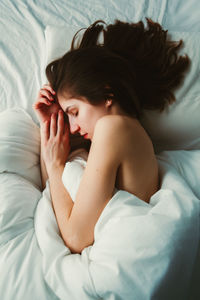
(71, 112)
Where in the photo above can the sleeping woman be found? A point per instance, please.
(103, 89)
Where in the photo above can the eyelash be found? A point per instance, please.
(75, 114)
(72, 113)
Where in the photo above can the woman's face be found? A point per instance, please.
(82, 115)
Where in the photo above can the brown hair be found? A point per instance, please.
(135, 66)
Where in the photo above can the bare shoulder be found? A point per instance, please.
(125, 136)
(118, 128)
(110, 121)
(106, 138)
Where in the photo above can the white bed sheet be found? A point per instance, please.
(23, 56)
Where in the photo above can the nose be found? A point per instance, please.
(74, 128)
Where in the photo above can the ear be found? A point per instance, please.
(108, 103)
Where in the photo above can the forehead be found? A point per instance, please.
(68, 100)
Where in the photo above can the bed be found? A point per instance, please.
(141, 251)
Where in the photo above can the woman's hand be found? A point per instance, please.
(46, 104)
(55, 144)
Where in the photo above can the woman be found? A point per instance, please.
(103, 88)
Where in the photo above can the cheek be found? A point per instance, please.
(71, 121)
(92, 120)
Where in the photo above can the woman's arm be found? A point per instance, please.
(61, 201)
(77, 220)
(43, 171)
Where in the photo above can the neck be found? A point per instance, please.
(115, 109)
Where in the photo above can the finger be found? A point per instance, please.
(49, 88)
(66, 129)
(39, 104)
(60, 131)
(53, 126)
(46, 94)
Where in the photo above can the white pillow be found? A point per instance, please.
(179, 126)
(20, 145)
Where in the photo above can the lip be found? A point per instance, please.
(85, 136)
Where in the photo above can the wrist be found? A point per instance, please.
(55, 167)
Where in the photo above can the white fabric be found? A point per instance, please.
(23, 59)
(139, 248)
(20, 257)
(20, 145)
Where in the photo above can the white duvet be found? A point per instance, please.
(141, 251)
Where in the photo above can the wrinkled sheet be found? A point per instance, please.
(139, 249)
